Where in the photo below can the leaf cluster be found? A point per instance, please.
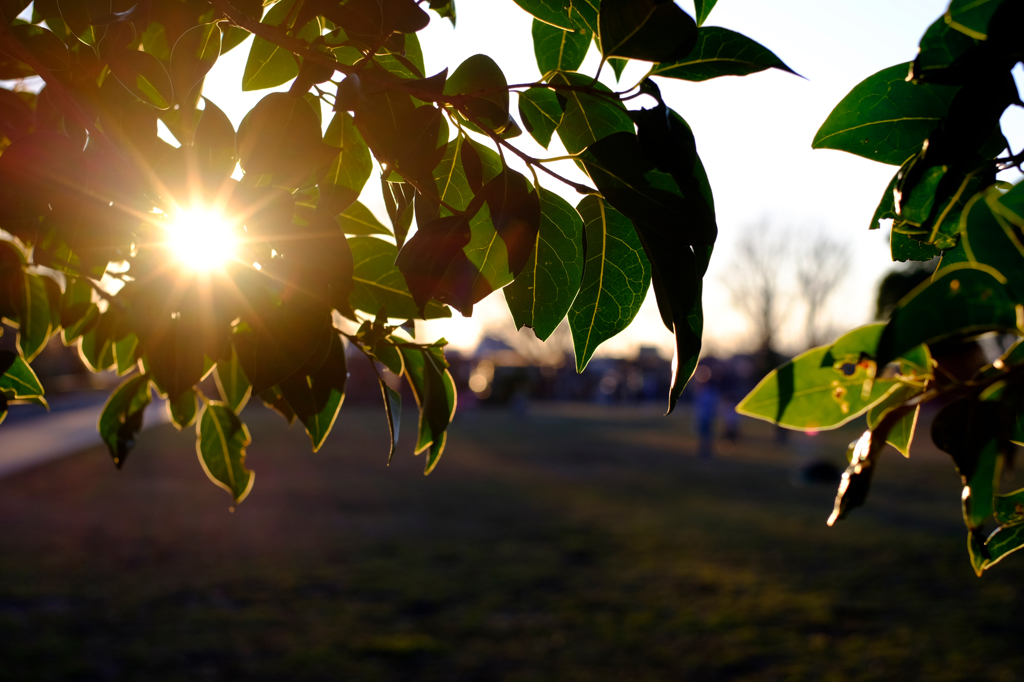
(938, 119)
(89, 191)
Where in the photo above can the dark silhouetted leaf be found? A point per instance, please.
(182, 411)
(721, 52)
(379, 284)
(434, 390)
(121, 419)
(651, 30)
(281, 137)
(192, 57)
(144, 76)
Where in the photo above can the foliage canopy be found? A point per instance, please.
(90, 195)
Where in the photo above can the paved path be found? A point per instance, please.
(31, 442)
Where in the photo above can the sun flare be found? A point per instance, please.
(201, 239)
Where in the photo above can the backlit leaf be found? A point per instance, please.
(557, 49)
(804, 394)
(379, 284)
(221, 442)
(616, 277)
(588, 118)
(542, 293)
(541, 113)
(232, 384)
(17, 380)
(885, 118)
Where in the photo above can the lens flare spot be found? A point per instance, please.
(201, 239)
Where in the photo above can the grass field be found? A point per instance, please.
(573, 543)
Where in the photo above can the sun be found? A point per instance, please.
(201, 239)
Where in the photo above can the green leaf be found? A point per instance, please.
(557, 49)
(221, 442)
(1002, 542)
(962, 299)
(703, 8)
(450, 178)
(358, 220)
(192, 57)
(350, 169)
(434, 390)
(968, 430)
(483, 84)
(379, 284)
(971, 17)
(213, 143)
(721, 52)
(554, 12)
(616, 277)
(886, 209)
(807, 393)
(121, 419)
(232, 384)
(274, 399)
(17, 380)
(587, 118)
(78, 313)
(885, 118)
(316, 398)
(126, 353)
(44, 45)
(901, 434)
(584, 17)
(541, 113)
(393, 409)
(408, 63)
(1009, 508)
(940, 46)
(144, 76)
(541, 295)
(268, 64)
(280, 136)
(1011, 205)
(182, 410)
(34, 318)
(903, 247)
(656, 179)
(989, 239)
(650, 30)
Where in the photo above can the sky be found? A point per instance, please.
(753, 135)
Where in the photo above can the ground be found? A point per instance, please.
(570, 543)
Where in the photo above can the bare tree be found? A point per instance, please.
(820, 267)
(756, 283)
